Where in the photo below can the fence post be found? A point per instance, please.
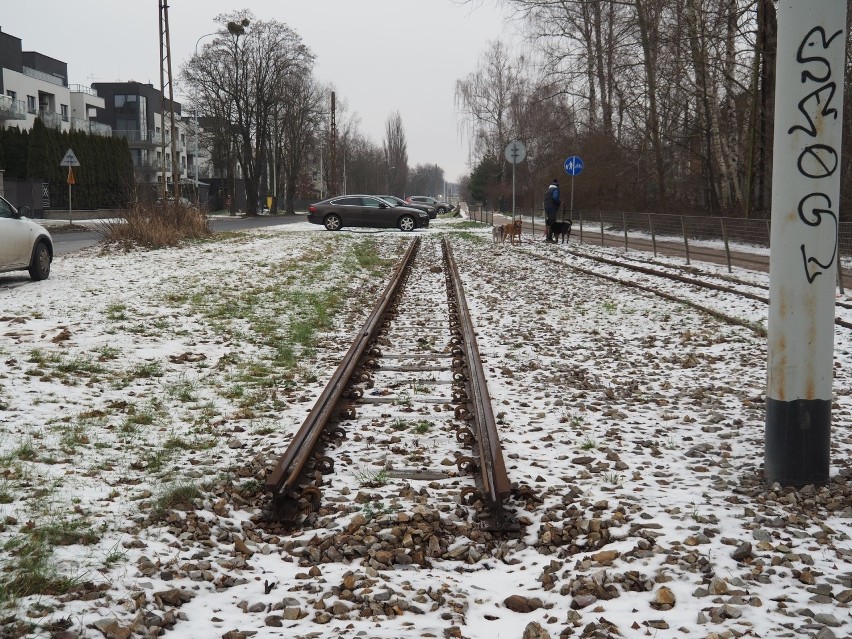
(600, 215)
(653, 233)
(685, 241)
(725, 239)
(839, 273)
(624, 225)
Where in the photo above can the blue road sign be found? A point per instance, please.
(574, 165)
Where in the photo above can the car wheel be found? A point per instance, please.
(441, 210)
(40, 266)
(333, 222)
(407, 223)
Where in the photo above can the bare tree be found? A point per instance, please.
(241, 74)
(396, 155)
(484, 98)
(297, 123)
(426, 179)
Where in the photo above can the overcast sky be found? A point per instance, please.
(381, 55)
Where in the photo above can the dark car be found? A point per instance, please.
(441, 207)
(365, 210)
(398, 201)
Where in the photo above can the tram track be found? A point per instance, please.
(729, 286)
(412, 386)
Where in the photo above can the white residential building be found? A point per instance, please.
(33, 85)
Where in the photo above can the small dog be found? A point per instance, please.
(513, 230)
(561, 230)
(498, 233)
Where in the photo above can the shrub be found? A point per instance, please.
(156, 226)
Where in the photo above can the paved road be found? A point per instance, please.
(67, 242)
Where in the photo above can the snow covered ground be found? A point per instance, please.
(143, 394)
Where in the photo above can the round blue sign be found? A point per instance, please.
(574, 165)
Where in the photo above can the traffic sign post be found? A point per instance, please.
(573, 166)
(515, 152)
(69, 160)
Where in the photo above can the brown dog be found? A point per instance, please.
(513, 230)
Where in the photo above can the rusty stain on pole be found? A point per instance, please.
(803, 242)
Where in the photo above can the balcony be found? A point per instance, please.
(50, 119)
(81, 88)
(44, 77)
(136, 137)
(89, 126)
(12, 109)
(147, 163)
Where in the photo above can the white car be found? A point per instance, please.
(24, 245)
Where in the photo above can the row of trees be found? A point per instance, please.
(265, 112)
(104, 178)
(669, 102)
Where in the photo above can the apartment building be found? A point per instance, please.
(136, 111)
(33, 85)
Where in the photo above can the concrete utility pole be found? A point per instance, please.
(803, 254)
(166, 82)
(332, 152)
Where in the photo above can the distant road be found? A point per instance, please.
(64, 242)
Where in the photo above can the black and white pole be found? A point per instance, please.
(803, 254)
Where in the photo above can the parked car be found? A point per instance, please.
(441, 207)
(365, 210)
(398, 201)
(24, 245)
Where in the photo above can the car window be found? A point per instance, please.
(373, 203)
(6, 209)
(347, 201)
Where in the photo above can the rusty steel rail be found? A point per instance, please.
(496, 486)
(287, 470)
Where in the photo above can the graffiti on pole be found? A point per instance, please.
(817, 160)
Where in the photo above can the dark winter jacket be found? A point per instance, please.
(551, 200)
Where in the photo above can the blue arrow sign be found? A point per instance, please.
(574, 165)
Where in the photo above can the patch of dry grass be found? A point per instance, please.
(156, 226)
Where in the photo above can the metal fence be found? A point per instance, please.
(734, 242)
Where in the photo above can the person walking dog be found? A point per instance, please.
(551, 206)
